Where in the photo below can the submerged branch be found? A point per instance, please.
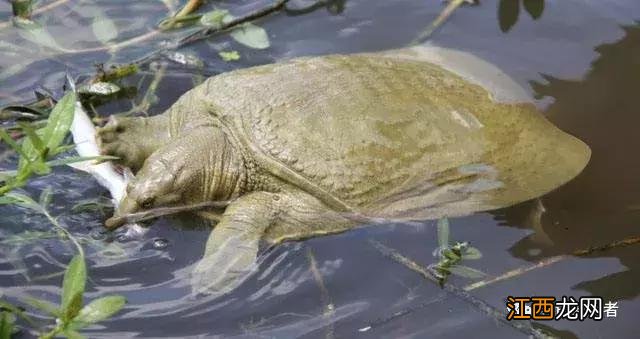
(508, 275)
(479, 304)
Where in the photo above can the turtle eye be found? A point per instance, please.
(147, 203)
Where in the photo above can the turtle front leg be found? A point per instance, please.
(133, 139)
(232, 248)
(259, 217)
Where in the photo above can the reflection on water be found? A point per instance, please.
(596, 102)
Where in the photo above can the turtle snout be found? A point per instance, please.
(127, 206)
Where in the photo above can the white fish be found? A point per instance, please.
(84, 137)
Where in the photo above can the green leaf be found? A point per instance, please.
(251, 36)
(72, 309)
(441, 269)
(52, 135)
(34, 138)
(6, 325)
(30, 160)
(8, 307)
(451, 255)
(73, 285)
(467, 272)
(214, 18)
(71, 334)
(471, 253)
(443, 232)
(43, 305)
(17, 312)
(535, 8)
(37, 166)
(508, 11)
(59, 121)
(98, 310)
(104, 29)
(21, 200)
(229, 56)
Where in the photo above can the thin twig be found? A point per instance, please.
(482, 306)
(329, 308)
(158, 212)
(442, 18)
(552, 260)
(514, 273)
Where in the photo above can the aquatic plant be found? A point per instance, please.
(37, 150)
(450, 255)
(70, 316)
(40, 146)
(22, 8)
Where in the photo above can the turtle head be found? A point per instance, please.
(157, 184)
(199, 167)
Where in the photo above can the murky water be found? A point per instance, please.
(581, 59)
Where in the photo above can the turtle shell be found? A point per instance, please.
(392, 137)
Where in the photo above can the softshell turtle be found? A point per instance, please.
(319, 145)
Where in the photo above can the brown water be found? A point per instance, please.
(580, 58)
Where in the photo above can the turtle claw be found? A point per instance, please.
(120, 137)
